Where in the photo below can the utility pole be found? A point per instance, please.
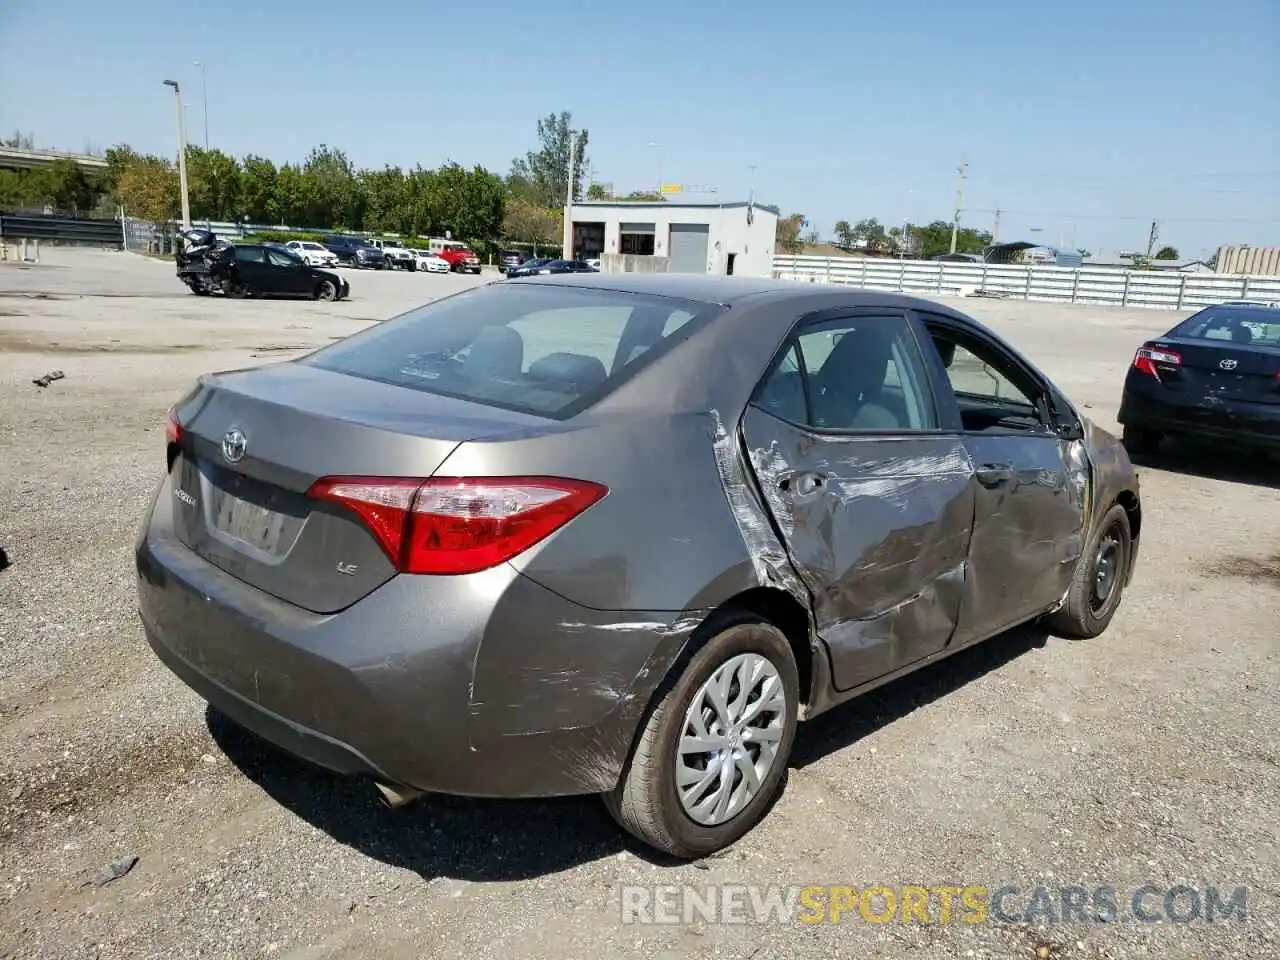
(182, 155)
(995, 229)
(1152, 238)
(955, 224)
(568, 198)
(204, 95)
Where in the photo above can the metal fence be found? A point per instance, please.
(98, 233)
(1117, 288)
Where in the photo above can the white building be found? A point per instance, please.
(677, 236)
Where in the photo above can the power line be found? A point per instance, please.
(1146, 175)
(1089, 216)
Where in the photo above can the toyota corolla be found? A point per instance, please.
(619, 534)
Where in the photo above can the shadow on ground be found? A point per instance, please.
(845, 725)
(505, 840)
(1252, 469)
(436, 836)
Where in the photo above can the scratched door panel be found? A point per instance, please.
(1027, 530)
(881, 543)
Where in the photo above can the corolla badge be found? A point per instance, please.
(233, 445)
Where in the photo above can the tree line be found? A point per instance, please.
(325, 191)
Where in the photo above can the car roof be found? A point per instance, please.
(729, 290)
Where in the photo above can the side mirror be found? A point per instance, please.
(1070, 430)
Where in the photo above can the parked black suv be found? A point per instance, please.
(510, 258)
(355, 251)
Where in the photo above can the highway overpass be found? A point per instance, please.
(18, 158)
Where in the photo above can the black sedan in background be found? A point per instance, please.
(257, 269)
(1214, 377)
(543, 267)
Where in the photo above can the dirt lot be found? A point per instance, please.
(1149, 756)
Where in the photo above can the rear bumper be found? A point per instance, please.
(487, 685)
(1252, 424)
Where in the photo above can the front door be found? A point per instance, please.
(287, 274)
(1030, 485)
(872, 499)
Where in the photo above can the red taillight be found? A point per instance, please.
(449, 525)
(172, 428)
(1148, 357)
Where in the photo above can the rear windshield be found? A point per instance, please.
(1242, 325)
(546, 350)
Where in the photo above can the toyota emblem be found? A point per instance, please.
(233, 445)
(1228, 364)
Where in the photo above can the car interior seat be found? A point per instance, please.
(498, 352)
(850, 381)
(1241, 334)
(578, 372)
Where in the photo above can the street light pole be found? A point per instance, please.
(182, 155)
(204, 96)
(568, 199)
(955, 224)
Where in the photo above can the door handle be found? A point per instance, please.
(802, 484)
(994, 474)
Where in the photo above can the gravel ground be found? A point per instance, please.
(1148, 756)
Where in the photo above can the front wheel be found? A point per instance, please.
(713, 751)
(1098, 583)
(325, 290)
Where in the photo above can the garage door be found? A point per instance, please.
(688, 248)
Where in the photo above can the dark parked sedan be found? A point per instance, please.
(258, 269)
(1214, 377)
(529, 268)
(570, 536)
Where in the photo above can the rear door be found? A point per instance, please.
(1029, 482)
(251, 265)
(288, 275)
(872, 497)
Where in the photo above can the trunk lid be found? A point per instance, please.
(255, 441)
(1223, 370)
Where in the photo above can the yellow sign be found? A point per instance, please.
(670, 188)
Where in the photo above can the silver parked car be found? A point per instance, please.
(618, 534)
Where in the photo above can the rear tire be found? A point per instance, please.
(1140, 440)
(235, 290)
(1098, 584)
(647, 802)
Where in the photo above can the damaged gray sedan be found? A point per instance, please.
(618, 535)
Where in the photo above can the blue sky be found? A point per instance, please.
(1083, 119)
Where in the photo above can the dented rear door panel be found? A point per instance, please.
(1028, 524)
(878, 530)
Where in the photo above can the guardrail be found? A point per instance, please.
(1118, 288)
(99, 233)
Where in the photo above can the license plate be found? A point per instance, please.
(249, 523)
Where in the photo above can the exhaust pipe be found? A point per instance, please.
(397, 797)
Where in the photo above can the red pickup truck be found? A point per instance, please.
(459, 256)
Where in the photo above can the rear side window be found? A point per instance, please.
(861, 374)
(251, 255)
(1240, 325)
(545, 350)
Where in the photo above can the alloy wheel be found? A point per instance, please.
(730, 739)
